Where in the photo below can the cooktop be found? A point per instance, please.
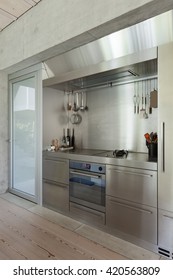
(97, 152)
(120, 153)
(115, 154)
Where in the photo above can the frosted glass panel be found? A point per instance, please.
(24, 136)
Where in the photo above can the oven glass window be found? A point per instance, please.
(88, 188)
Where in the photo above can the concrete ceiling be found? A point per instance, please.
(11, 10)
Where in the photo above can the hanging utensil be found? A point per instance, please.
(149, 103)
(138, 97)
(77, 101)
(142, 109)
(145, 115)
(73, 102)
(76, 118)
(68, 102)
(154, 96)
(76, 106)
(134, 99)
(82, 107)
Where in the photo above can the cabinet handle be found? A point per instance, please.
(56, 183)
(163, 145)
(169, 217)
(131, 173)
(132, 207)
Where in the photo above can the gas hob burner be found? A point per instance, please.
(120, 153)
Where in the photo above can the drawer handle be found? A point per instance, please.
(169, 217)
(132, 207)
(131, 173)
(55, 160)
(56, 183)
(87, 210)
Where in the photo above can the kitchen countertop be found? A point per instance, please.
(135, 160)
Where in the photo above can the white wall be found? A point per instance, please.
(3, 133)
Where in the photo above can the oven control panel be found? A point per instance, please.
(86, 166)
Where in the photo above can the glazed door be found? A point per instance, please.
(25, 136)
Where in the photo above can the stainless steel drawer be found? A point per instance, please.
(83, 213)
(56, 196)
(165, 230)
(132, 218)
(56, 170)
(136, 185)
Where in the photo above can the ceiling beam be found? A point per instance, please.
(71, 24)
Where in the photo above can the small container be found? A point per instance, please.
(152, 151)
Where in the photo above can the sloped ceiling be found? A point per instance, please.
(11, 10)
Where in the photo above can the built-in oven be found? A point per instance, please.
(87, 184)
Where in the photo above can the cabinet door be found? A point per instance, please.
(165, 231)
(165, 113)
(56, 170)
(132, 218)
(56, 196)
(136, 185)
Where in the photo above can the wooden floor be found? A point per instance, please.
(27, 236)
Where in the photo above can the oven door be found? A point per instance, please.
(87, 189)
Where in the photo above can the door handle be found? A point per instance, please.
(86, 174)
(163, 145)
(132, 207)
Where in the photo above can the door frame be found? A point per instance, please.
(33, 71)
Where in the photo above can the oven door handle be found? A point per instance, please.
(85, 174)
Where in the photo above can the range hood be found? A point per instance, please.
(124, 55)
(110, 77)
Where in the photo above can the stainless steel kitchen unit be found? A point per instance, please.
(117, 195)
(165, 154)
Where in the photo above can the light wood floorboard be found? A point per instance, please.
(26, 235)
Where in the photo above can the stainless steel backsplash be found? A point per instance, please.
(109, 123)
